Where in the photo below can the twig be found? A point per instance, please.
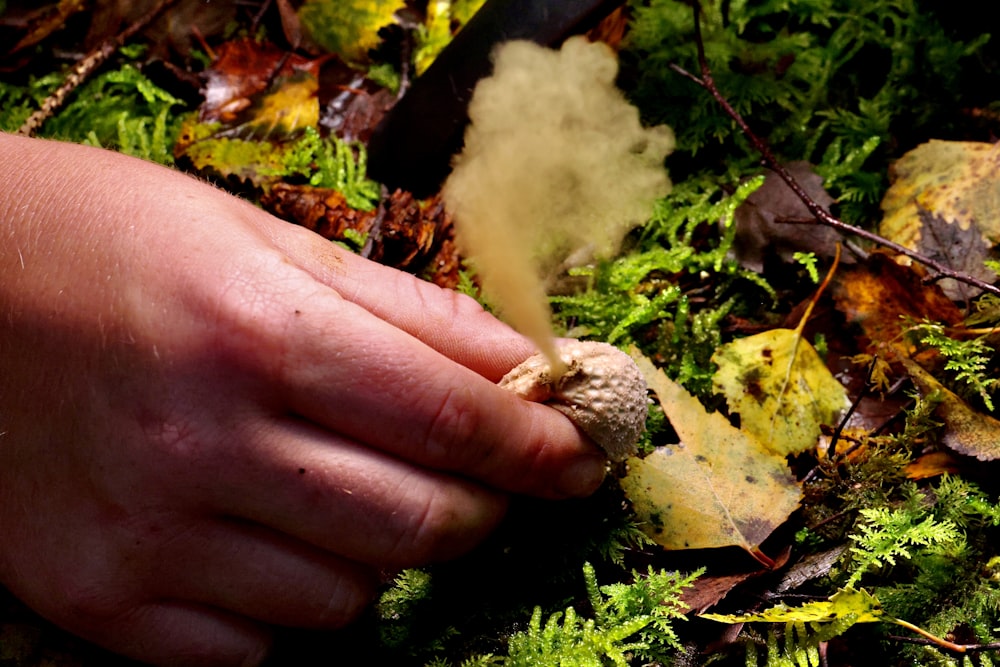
(831, 449)
(822, 215)
(957, 648)
(85, 67)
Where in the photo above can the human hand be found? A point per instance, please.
(212, 421)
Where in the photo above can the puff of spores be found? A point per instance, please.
(602, 391)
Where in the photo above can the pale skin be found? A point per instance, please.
(213, 421)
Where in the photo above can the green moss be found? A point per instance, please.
(120, 109)
(638, 297)
(814, 77)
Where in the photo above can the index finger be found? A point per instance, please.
(449, 322)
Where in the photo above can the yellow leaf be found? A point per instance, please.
(943, 203)
(348, 28)
(781, 389)
(862, 605)
(444, 19)
(290, 107)
(957, 180)
(718, 487)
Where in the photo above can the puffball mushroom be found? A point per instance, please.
(602, 391)
(555, 162)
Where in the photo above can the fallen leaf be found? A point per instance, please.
(444, 19)
(773, 219)
(812, 566)
(860, 604)
(44, 21)
(880, 295)
(717, 487)
(242, 70)
(957, 246)
(183, 27)
(933, 464)
(966, 430)
(226, 158)
(707, 591)
(402, 232)
(943, 202)
(781, 389)
(284, 112)
(348, 28)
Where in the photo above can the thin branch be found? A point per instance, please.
(85, 67)
(822, 215)
(957, 648)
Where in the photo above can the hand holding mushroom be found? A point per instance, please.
(212, 422)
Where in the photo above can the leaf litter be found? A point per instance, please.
(720, 485)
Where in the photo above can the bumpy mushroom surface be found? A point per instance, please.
(602, 392)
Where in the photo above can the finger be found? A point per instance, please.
(257, 573)
(177, 633)
(346, 370)
(449, 322)
(352, 500)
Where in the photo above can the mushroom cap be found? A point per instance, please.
(603, 392)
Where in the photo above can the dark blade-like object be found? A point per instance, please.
(412, 148)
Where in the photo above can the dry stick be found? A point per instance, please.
(84, 68)
(822, 216)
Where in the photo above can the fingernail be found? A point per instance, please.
(582, 477)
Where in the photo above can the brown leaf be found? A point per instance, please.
(880, 293)
(179, 29)
(242, 70)
(966, 430)
(957, 246)
(356, 105)
(759, 226)
(46, 20)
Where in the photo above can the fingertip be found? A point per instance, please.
(582, 476)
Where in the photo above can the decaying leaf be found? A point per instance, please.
(774, 220)
(284, 111)
(226, 158)
(185, 25)
(933, 464)
(879, 296)
(348, 28)
(966, 431)
(717, 487)
(943, 203)
(444, 19)
(44, 21)
(243, 70)
(957, 246)
(861, 605)
(781, 389)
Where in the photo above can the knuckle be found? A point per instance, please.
(446, 524)
(451, 439)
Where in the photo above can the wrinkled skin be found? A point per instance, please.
(212, 421)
